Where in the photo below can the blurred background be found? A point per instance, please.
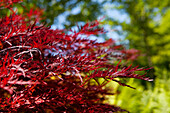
(140, 24)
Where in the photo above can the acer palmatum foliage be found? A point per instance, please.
(44, 70)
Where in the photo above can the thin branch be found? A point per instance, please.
(14, 47)
(78, 73)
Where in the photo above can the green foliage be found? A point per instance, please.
(147, 31)
(146, 101)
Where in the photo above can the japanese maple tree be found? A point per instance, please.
(45, 70)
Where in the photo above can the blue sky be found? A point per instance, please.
(109, 11)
